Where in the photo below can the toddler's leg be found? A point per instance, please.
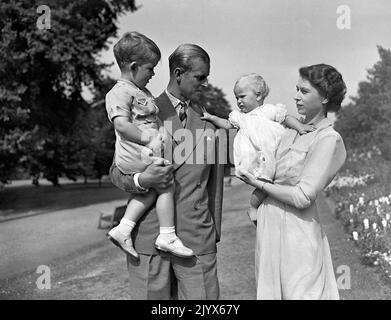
(121, 234)
(167, 239)
(256, 199)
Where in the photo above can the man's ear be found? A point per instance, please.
(178, 74)
(325, 101)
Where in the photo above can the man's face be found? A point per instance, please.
(192, 81)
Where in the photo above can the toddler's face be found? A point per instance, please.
(144, 73)
(246, 97)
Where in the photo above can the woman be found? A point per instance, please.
(292, 258)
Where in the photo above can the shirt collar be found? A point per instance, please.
(128, 82)
(174, 100)
(324, 123)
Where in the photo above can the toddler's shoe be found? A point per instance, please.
(174, 246)
(125, 243)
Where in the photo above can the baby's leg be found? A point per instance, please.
(168, 239)
(257, 198)
(255, 201)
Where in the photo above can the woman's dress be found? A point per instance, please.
(292, 258)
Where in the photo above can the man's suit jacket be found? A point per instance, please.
(198, 182)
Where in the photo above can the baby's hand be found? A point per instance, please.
(305, 128)
(206, 115)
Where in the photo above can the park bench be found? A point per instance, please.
(112, 217)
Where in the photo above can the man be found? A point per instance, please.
(198, 191)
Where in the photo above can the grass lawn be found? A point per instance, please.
(27, 198)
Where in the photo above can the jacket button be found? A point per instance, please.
(196, 204)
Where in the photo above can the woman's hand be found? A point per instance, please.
(248, 178)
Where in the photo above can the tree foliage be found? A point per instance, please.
(43, 116)
(367, 120)
(214, 101)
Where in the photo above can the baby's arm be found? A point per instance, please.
(293, 123)
(217, 121)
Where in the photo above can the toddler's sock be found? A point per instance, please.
(126, 226)
(167, 233)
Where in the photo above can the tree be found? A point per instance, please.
(42, 75)
(214, 101)
(103, 131)
(367, 121)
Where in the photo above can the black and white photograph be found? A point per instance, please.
(204, 150)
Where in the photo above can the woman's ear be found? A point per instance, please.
(325, 101)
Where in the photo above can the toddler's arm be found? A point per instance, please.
(293, 123)
(217, 121)
(131, 133)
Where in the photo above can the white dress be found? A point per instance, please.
(255, 144)
(292, 253)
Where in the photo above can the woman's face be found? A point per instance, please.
(308, 99)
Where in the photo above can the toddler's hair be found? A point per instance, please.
(135, 47)
(257, 83)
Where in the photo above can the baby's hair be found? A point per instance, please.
(257, 83)
(135, 47)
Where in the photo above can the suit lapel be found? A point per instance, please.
(168, 115)
(171, 123)
(194, 122)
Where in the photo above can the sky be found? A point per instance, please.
(271, 37)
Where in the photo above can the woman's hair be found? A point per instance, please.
(135, 47)
(257, 83)
(328, 82)
(183, 55)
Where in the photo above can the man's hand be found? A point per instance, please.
(157, 175)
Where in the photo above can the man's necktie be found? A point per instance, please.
(182, 112)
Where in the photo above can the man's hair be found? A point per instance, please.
(183, 55)
(257, 83)
(135, 47)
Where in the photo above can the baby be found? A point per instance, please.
(259, 132)
(132, 109)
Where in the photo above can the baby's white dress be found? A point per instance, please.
(256, 142)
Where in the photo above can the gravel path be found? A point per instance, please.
(86, 266)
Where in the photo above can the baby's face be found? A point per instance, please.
(246, 97)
